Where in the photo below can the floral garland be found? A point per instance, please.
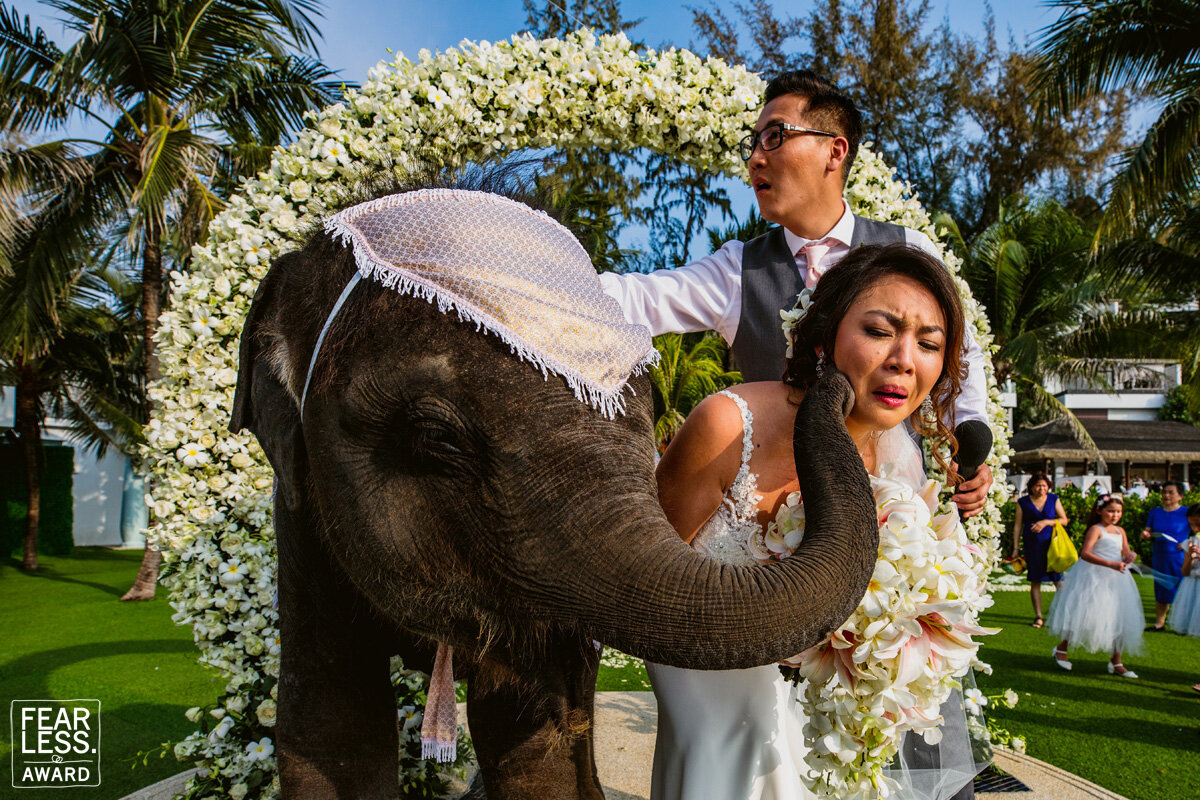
(892, 664)
(210, 489)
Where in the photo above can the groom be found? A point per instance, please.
(798, 155)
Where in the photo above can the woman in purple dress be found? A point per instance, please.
(1037, 512)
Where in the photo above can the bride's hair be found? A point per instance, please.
(841, 286)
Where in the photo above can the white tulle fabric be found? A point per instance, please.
(1185, 611)
(739, 734)
(511, 271)
(1099, 608)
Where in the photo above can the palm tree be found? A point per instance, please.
(1152, 47)
(1166, 264)
(742, 230)
(690, 368)
(65, 352)
(190, 93)
(1053, 311)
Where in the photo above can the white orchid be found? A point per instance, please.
(192, 455)
(260, 750)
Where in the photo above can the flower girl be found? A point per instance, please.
(1185, 611)
(1098, 607)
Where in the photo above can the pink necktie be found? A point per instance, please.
(814, 252)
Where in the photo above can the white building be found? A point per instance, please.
(1139, 390)
(110, 507)
(1123, 421)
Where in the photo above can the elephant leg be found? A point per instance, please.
(336, 733)
(533, 733)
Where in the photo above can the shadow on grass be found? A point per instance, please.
(41, 665)
(47, 570)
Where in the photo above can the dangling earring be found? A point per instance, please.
(927, 409)
(820, 368)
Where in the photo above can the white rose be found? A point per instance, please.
(266, 713)
(300, 190)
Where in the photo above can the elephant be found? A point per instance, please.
(440, 490)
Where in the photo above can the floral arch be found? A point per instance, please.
(211, 489)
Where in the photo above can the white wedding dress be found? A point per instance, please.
(738, 734)
(728, 734)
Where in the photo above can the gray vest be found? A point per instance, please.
(770, 283)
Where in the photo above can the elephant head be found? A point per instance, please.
(438, 489)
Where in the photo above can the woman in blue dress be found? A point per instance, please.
(1169, 526)
(1037, 512)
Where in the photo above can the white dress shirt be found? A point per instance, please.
(707, 295)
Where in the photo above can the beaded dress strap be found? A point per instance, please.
(743, 492)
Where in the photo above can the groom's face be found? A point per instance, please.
(890, 345)
(802, 176)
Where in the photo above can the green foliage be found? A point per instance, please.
(595, 196)
(1148, 46)
(742, 230)
(691, 367)
(56, 528)
(553, 18)
(1053, 310)
(192, 94)
(680, 199)
(953, 114)
(1178, 407)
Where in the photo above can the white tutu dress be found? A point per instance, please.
(1185, 611)
(739, 734)
(1099, 608)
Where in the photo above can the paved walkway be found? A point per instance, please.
(625, 725)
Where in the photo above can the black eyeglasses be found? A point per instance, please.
(771, 137)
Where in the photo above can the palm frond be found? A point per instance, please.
(1163, 166)
(1098, 46)
(1045, 401)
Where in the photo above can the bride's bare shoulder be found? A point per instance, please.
(770, 399)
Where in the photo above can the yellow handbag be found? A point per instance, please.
(1062, 553)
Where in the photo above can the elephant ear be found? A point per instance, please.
(265, 403)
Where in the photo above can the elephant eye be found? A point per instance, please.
(421, 434)
(438, 436)
(435, 439)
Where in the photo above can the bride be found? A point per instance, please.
(889, 319)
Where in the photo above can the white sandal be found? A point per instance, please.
(1124, 673)
(1063, 663)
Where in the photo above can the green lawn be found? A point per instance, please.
(64, 635)
(1139, 738)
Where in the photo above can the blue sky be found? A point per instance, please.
(358, 33)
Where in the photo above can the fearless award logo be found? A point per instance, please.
(56, 743)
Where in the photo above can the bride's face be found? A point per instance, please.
(890, 345)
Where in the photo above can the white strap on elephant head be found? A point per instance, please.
(511, 271)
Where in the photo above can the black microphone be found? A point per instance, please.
(974, 445)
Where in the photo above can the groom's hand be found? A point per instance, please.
(971, 495)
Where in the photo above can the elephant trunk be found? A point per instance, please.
(638, 587)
